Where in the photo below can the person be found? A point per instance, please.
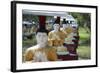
(56, 37)
(41, 52)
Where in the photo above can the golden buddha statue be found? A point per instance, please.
(56, 38)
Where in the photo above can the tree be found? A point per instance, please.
(83, 19)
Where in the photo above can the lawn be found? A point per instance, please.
(84, 52)
(84, 49)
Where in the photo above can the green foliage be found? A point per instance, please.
(83, 19)
(29, 17)
(29, 42)
(84, 36)
(84, 49)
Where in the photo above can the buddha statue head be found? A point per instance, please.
(64, 24)
(42, 37)
(56, 25)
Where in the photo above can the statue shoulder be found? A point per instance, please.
(51, 32)
(32, 48)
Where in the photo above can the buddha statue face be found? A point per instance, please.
(56, 27)
(41, 38)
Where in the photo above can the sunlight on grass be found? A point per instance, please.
(83, 34)
(84, 52)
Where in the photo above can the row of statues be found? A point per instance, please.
(49, 44)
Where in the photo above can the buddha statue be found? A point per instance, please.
(56, 37)
(40, 52)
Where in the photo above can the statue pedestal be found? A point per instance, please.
(72, 53)
(67, 57)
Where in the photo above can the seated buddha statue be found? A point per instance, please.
(69, 33)
(67, 29)
(70, 40)
(40, 52)
(56, 37)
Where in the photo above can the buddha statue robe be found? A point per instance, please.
(68, 30)
(69, 35)
(36, 54)
(56, 40)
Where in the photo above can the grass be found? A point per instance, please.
(29, 42)
(84, 52)
(83, 34)
(84, 49)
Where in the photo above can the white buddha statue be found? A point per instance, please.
(40, 52)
